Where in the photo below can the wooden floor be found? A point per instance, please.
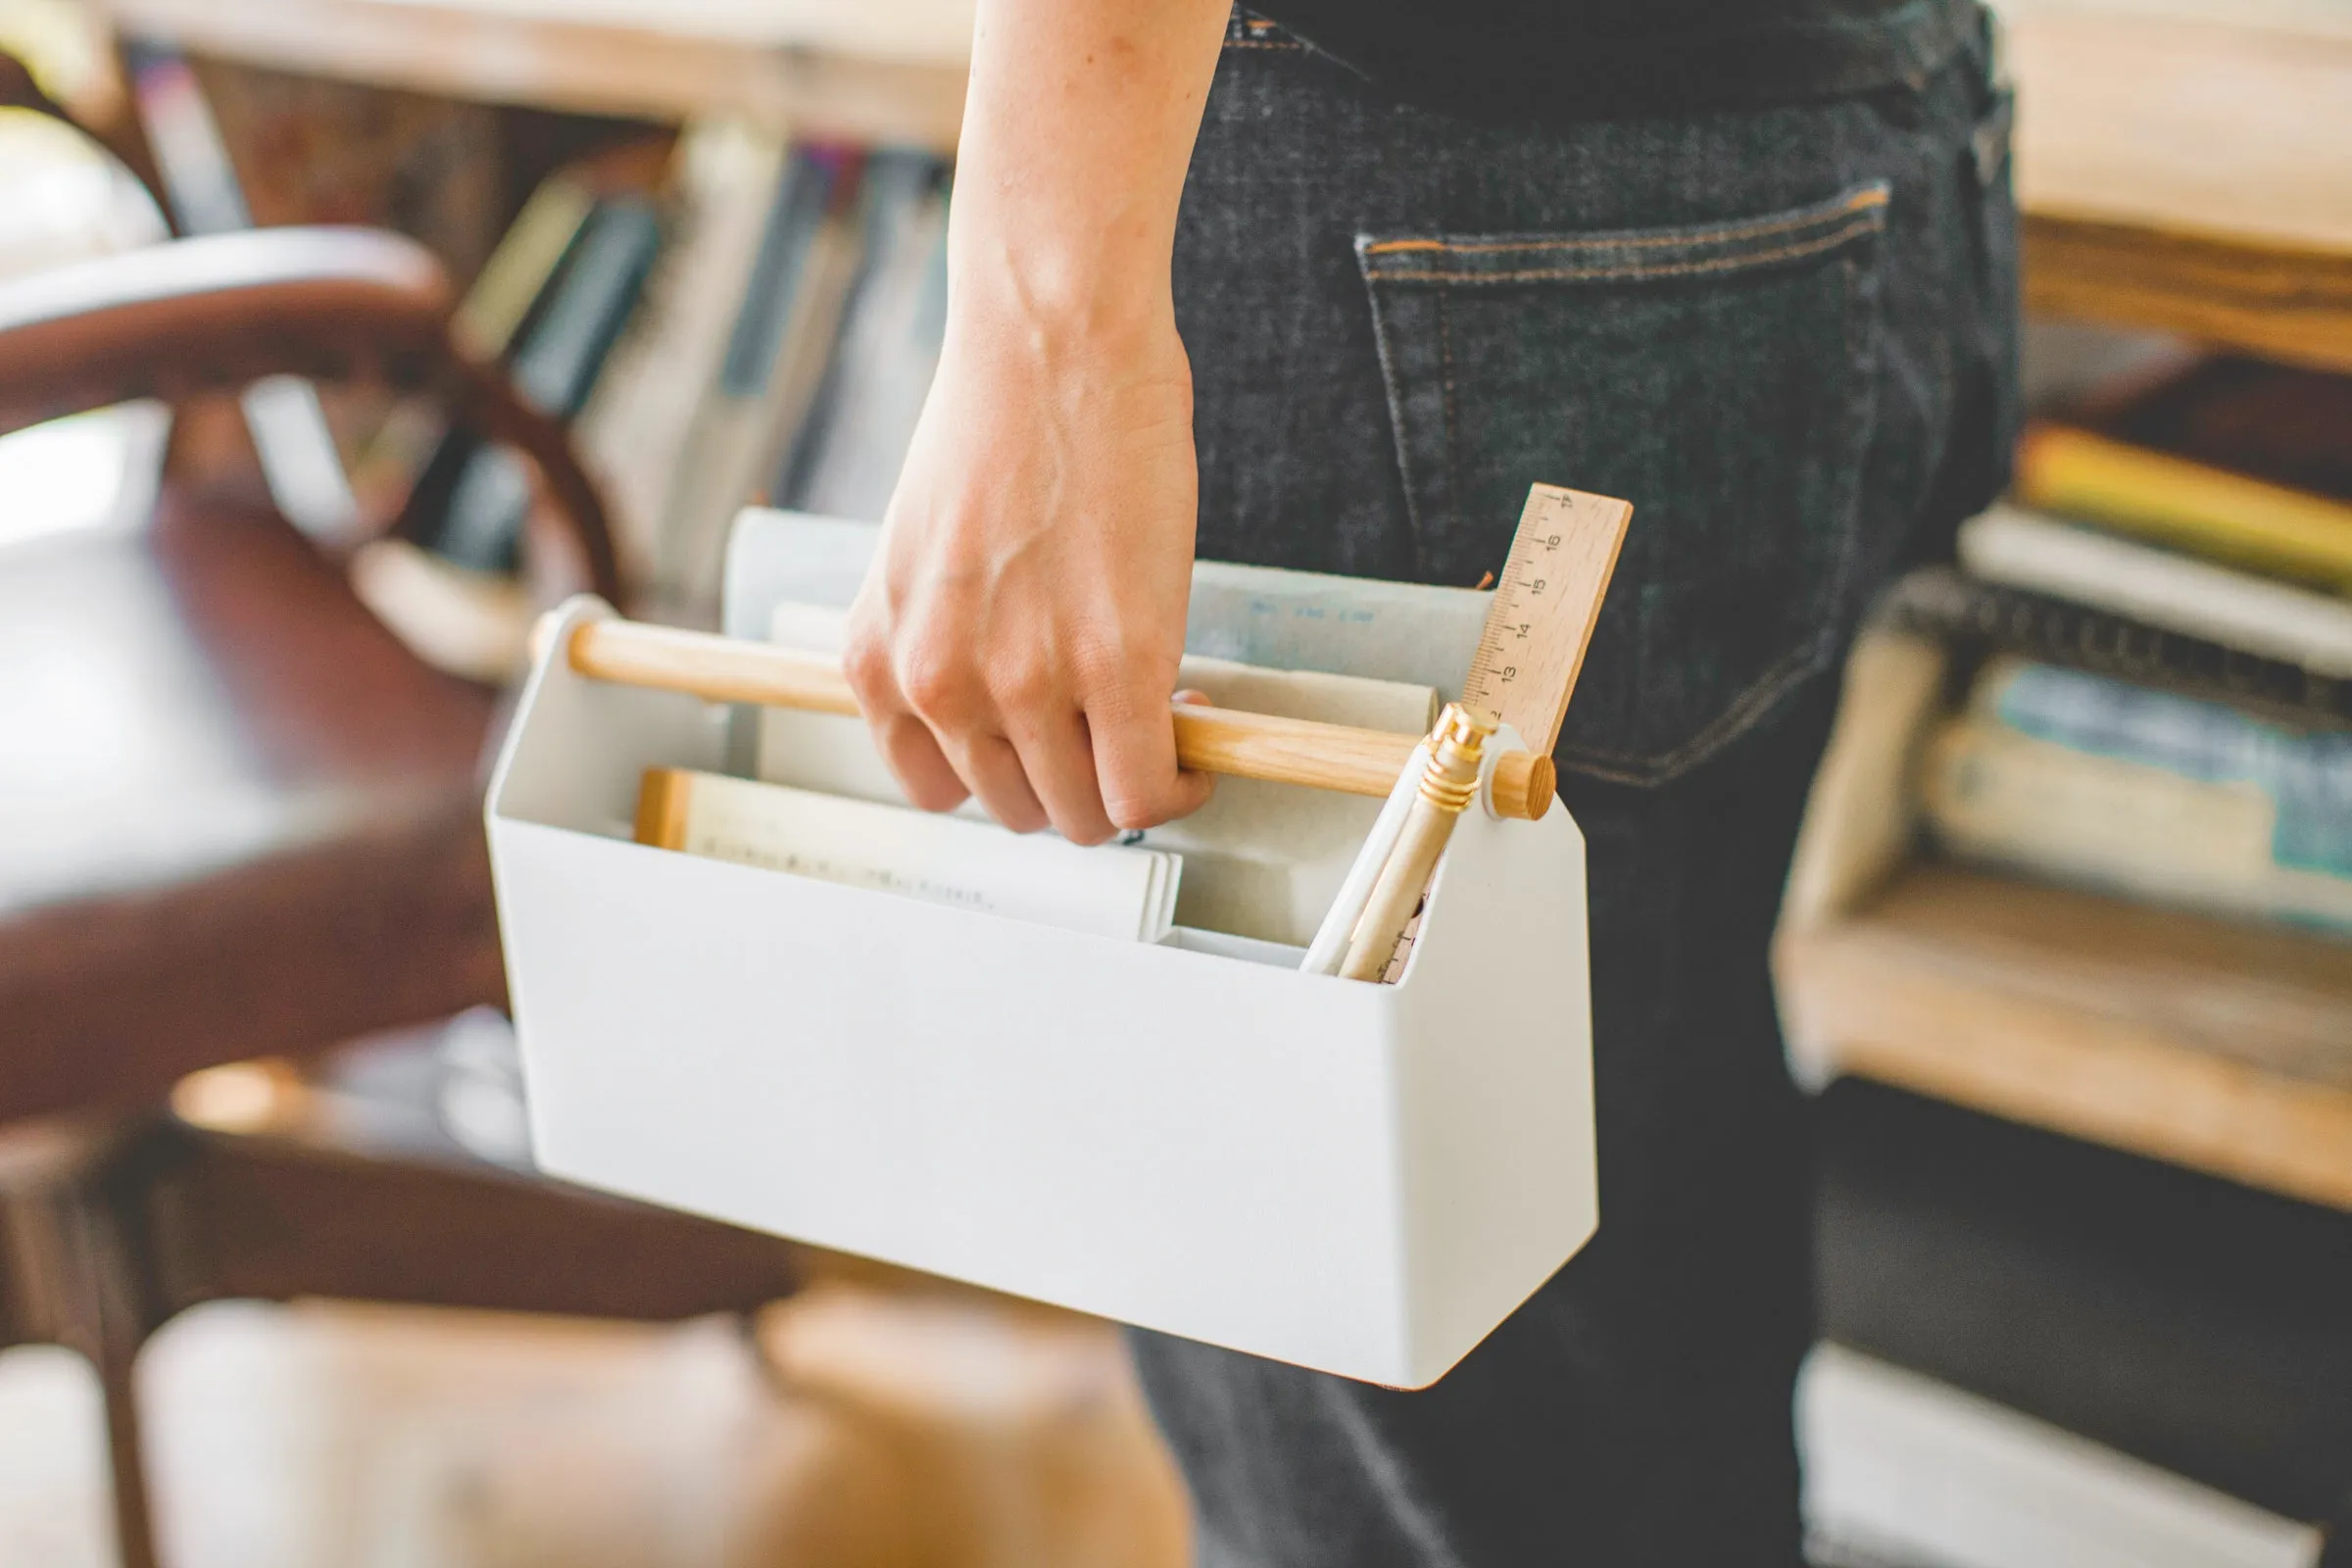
(865, 1429)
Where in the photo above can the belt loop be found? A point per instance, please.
(1990, 143)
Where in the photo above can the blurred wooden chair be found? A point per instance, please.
(239, 819)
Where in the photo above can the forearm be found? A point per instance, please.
(1020, 631)
(1077, 130)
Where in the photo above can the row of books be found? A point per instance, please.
(761, 327)
(2036, 1352)
(2171, 718)
(723, 314)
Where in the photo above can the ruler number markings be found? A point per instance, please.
(1549, 593)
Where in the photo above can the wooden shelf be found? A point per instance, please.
(2202, 129)
(2277, 302)
(874, 70)
(2222, 1047)
(2189, 176)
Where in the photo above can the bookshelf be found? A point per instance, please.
(2221, 1047)
(2178, 173)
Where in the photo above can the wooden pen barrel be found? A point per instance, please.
(1211, 740)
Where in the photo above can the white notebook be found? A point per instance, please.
(2161, 587)
(1110, 889)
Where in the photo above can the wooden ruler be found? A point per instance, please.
(1537, 630)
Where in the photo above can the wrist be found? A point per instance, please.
(1057, 288)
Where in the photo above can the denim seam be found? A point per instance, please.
(1871, 201)
(1799, 663)
(1453, 431)
(1865, 343)
(1393, 387)
(1720, 263)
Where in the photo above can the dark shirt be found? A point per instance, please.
(1585, 58)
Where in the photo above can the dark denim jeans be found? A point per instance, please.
(1787, 337)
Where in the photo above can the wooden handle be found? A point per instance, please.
(1210, 740)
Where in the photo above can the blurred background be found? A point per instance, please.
(2066, 954)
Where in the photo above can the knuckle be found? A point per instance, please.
(1102, 668)
(865, 661)
(938, 683)
(1026, 686)
(1120, 684)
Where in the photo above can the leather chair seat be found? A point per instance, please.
(237, 818)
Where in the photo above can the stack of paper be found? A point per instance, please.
(1113, 890)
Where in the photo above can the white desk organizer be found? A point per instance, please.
(1364, 1179)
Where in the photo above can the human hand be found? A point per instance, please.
(1017, 638)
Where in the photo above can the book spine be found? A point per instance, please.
(1991, 793)
(2211, 512)
(514, 280)
(855, 466)
(511, 286)
(560, 358)
(2307, 778)
(1941, 604)
(714, 475)
(894, 188)
(810, 343)
(633, 431)
(554, 369)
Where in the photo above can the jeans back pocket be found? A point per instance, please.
(1719, 376)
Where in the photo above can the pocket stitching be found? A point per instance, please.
(1392, 390)
(1453, 434)
(1721, 263)
(1868, 204)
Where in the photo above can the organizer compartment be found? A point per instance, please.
(1357, 1178)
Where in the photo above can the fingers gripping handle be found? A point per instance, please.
(1212, 740)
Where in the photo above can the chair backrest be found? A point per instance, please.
(216, 313)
